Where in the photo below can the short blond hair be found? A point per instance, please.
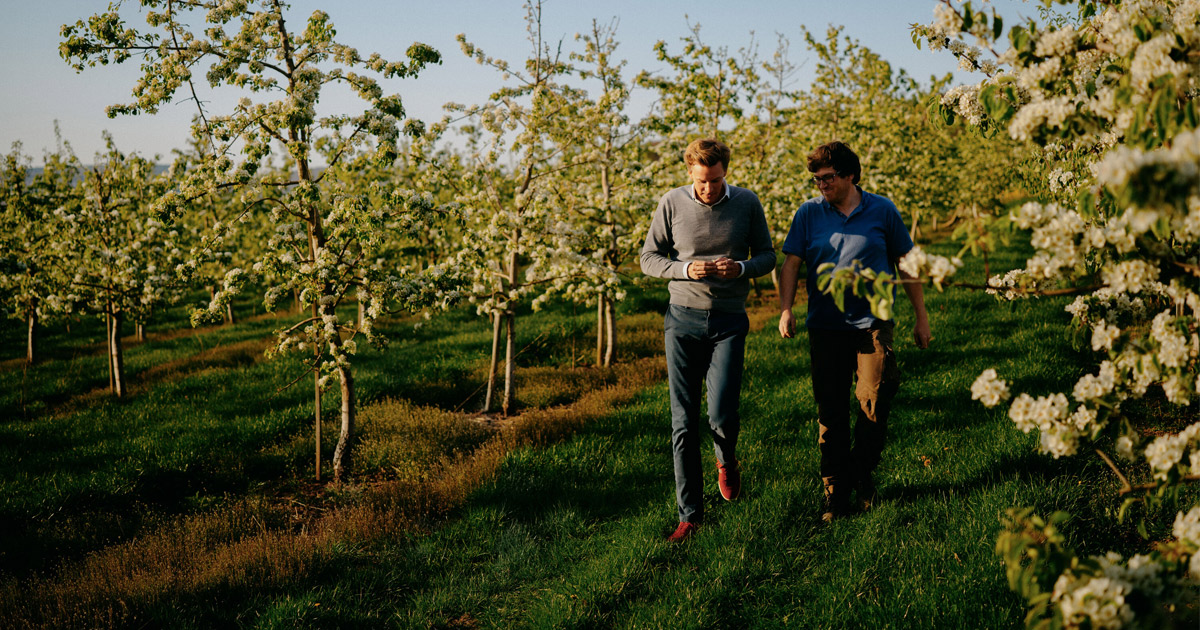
(708, 152)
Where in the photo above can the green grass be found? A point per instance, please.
(86, 471)
(569, 532)
(572, 535)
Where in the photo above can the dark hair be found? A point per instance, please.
(836, 155)
(707, 151)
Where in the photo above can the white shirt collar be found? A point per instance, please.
(725, 193)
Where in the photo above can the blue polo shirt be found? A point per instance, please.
(873, 234)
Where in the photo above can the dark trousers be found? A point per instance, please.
(702, 347)
(839, 358)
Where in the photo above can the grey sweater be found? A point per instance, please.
(684, 230)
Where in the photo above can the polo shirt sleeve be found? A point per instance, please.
(797, 235)
(898, 241)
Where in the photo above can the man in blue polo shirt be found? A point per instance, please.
(848, 227)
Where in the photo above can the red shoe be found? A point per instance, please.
(729, 479)
(683, 532)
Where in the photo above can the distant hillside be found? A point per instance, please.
(34, 171)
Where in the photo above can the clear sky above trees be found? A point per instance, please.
(40, 88)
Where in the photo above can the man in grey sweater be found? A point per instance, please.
(709, 239)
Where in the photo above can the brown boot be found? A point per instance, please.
(835, 503)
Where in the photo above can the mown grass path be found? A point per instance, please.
(572, 535)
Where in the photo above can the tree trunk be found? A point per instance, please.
(317, 399)
(775, 278)
(600, 328)
(317, 419)
(491, 384)
(342, 454)
(510, 352)
(108, 328)
(117, 359)
(610, 323)
(229, 319)
(510, 316)
(141, 332)
(30, 344)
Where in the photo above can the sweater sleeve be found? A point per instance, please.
(762, 250)
(658, 254)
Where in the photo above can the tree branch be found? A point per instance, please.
(1125, 487)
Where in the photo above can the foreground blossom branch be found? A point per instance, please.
(1111, 98)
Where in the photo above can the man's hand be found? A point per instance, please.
(787, 324)
(720, 268)
(921, 333)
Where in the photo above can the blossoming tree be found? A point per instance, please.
(524, 243)
(31, 274)
(321, 240)
(1113, 95)
(606, 191)
(117, 256)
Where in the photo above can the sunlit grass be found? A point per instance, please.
(186, 505)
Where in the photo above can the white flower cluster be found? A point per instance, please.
(1121, 164)
(1058, 432)
(1093, 387)
(1082, 86)
(1094, 602)
(1108, 305)
(1101, 597)
(947, 24)
(1104, 335)
(989, 389)
(1056, 43)
(1166, 452)
(1011, 285)
(1187, 527)
(920, 264)
(1129, 276)
(1151, 40)
(964, 99)
(1062, 181)
(1187, 531)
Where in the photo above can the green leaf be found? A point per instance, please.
(997, 25)
(1019, 36)
(1141, 33)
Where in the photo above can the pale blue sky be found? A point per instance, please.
(39, 88)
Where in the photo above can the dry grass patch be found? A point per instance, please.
(425, 461)
(403, 440)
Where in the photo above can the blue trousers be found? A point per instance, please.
(702, 347)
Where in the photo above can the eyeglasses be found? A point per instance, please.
(825, 179)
